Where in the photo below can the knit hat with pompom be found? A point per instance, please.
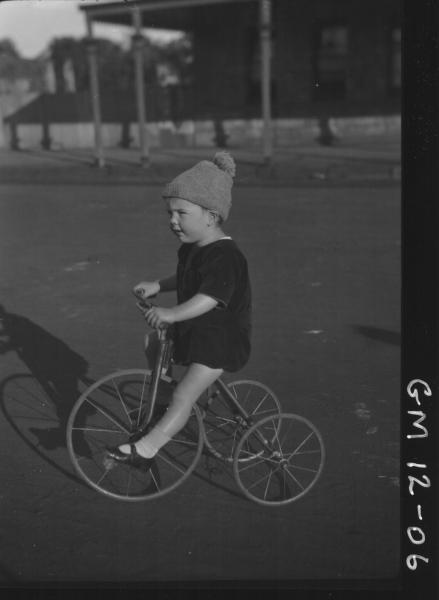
(208, 184)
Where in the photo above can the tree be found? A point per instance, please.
(66, 49)
(116, 65)
(13, 67)
(177, 56)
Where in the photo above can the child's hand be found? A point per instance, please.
(158, 317)
(146, 289)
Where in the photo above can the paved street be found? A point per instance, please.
(325, 266)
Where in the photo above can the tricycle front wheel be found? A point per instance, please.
(111, 412)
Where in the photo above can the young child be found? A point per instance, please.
(212, 320)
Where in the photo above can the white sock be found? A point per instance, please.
(148, 445)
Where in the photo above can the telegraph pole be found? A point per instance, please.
(265, 39)
(138, 45)
(94, 89)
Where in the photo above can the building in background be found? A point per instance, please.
(339, 56)
(334, 69)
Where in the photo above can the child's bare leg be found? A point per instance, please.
(195, 381)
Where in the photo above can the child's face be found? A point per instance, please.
(189, 222)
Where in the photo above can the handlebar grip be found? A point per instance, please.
(144, 306)
(142, 303)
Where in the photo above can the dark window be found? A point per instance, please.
(395, 59)
(331, 62)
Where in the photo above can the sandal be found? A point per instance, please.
(134, 459)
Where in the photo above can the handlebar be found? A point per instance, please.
(143, 305)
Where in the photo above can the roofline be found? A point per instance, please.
(126, 6)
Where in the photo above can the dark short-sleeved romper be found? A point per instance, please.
(220, 338)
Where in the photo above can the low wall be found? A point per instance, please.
(234, 133)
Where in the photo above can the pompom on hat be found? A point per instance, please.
(208, 184)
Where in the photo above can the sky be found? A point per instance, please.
(31, 24)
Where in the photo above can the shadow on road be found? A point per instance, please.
(55, 366)
(381, 335)
(25, 403)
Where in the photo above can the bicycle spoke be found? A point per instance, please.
(286, 435)
(100, 429)
(105, 473)
(263, 412)
(221, 425)
(303, 468)
(262, 479)
(157, 487)
(109, 417)
(252, 465)
(212, 429)
(120, 398)
(294, 479)
(276, 436)
(260, 404)
(270, 460)
(128, 485)
(141, 401)
(171, 464)
(246, 396)
(267, 486)
(273, 431)
(302, 444)
(233, 443)
(184, 442)
(264, 459)
(227, 420)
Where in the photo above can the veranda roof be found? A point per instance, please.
(164, 14)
